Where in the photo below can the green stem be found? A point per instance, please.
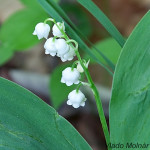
(98, 101)
(49, 19)
(78, 87)
(93, 87)
(73, 65)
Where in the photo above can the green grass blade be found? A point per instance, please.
(67, 19)
(54, 14)
(103, 19)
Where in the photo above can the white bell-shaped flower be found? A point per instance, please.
(50, 47)
(69, 55)
(70, 76)
(62, 47)
(42, 30)
(56, 31)
(76, 99)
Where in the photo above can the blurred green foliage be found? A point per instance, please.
(79, 17)
(109, 47)
(16, 31)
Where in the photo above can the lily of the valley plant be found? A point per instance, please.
(62, 46)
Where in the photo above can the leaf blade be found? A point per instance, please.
(129, 107)
(29, 123)
(110, 48)
(6, 53)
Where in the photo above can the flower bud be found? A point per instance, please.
(87, 64)
(76, 99)
(41, 30)
(50, 47)
(70, 76)
(79, 68)
(62, 47)
(56, 31)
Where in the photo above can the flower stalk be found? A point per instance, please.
(66, 49)
(93, 87)
(98, 100)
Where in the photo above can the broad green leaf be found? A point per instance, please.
(54, 14)
(17, 30)
(103, 19)
(6, 53)
(130, 101)
(26, 122)
(59, 91)
(110, 48)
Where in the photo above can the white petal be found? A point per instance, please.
(34, 33)
(46, 51)
(62, 47)
(41, 30)
(62, 80)
(76, 99)
(75, 105)
(70, 58)
(39, 36)
(69, 83)
(50, 47)
(70, 54)
(62, 59)
(82, 104)
(56, 31)
(70, 76)
(69, 103)
(77, 82)
(52, 54)
(58, 55)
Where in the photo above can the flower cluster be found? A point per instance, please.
(55, 45)
(59, 46)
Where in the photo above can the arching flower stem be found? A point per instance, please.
(91, 83)
(74, 63)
